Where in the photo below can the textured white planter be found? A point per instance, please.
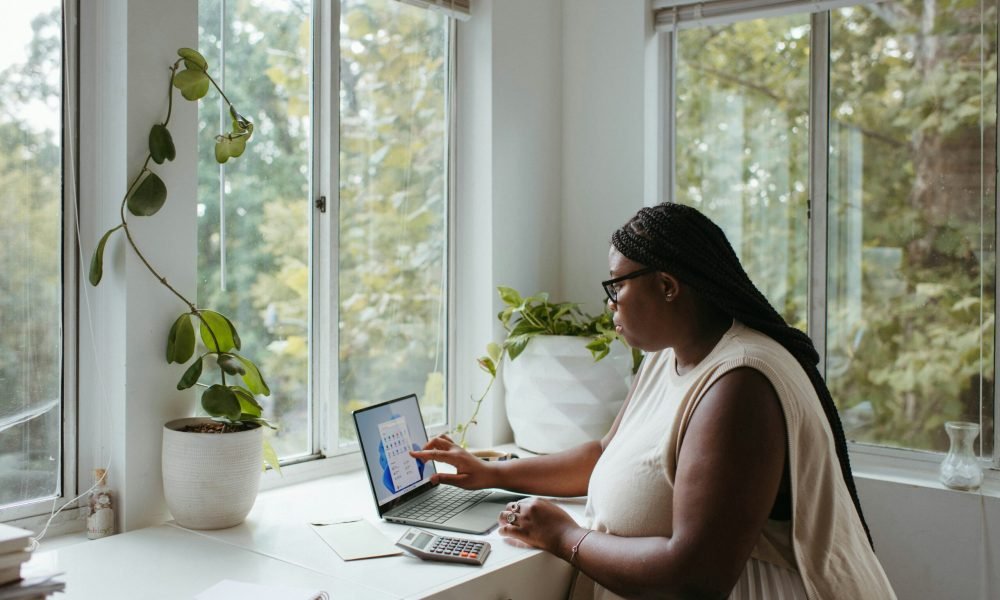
(557, 397)
(210, 480)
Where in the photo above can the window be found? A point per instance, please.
(259, 243)
(393, 207)
(31, 233)
(896, 104)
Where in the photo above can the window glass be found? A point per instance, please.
(912, 212)
(30, 251)
(742, 146)
(393, 207)
(254, 242)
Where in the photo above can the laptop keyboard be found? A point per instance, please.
(442, 505)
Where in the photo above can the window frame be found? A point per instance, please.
(36, 513)
(661, 187)
(327, 456)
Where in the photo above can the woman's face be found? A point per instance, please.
(640, 312)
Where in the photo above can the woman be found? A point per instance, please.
(725, 474)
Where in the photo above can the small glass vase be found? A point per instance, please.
(960, 469)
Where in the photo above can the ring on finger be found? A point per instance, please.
(511, 517)
(515, 507)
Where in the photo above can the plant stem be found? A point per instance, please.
(128, 232)
(479, 402)
(219, 89)
(170, 90)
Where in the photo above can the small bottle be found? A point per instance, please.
(101, 518)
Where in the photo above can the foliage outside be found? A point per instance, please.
(234, 406)
(525, 318)
(254, 223)
(910, 321)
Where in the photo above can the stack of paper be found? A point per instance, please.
(15, 551)
(14, 543)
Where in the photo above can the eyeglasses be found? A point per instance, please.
(612, 286)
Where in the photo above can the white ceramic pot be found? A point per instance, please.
(210, 480)
(557, 397)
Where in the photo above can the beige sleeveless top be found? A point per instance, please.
(631, 488)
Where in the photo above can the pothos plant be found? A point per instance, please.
(233, 407)
(524, 318)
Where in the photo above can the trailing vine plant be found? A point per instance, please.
(232, 406)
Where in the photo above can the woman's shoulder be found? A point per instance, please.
(742, 340)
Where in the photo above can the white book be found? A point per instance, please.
(13, 539)
(14, 559)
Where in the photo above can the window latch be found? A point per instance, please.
(321, 204)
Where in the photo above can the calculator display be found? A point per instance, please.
(422, 540)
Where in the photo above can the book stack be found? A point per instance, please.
(15, 550)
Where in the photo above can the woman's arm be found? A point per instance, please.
(562, 474)
(728, 475)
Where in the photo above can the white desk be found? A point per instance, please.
(276, 545)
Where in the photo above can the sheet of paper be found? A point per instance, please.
(355, 539)
(227, 589)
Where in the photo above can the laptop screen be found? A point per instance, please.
(387, 432)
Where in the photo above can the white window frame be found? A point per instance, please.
(36, 513)
(661, 144)
(327, 457)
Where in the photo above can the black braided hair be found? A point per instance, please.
(678, 239)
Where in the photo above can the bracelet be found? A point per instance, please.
(576, 547)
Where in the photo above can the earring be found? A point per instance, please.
(668, 297)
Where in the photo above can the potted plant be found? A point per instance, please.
(211, 465)
(556, 395)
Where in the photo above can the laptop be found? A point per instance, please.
(402, 485)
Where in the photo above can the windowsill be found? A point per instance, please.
(276, 545)
(916, 469)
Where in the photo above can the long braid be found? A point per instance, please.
(680, 240)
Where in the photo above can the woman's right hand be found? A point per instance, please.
(471, 472)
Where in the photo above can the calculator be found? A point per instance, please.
(430, 546)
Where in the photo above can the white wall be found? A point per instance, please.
(126, 391)
(602, 162)
(509, 152)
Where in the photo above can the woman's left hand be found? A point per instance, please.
(536, 522)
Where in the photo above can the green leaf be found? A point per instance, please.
(487, 364)
(221, 151)
(191, 375)
(161, 144)
(193, 83)
(254, 380)
(515, 345)
(220, 401)
(194, 57)
(509, 296)
(493, 350)
(223, 330)
(271, 457)
(230, 364)
(180, 341)
(525, 328)
(97, 260)
(148, 197)
(248, 404)
(230, 146)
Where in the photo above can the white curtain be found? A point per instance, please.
(458, 9)
(671, 15)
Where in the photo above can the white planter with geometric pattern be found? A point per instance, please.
(557, 397)
(210, 480)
